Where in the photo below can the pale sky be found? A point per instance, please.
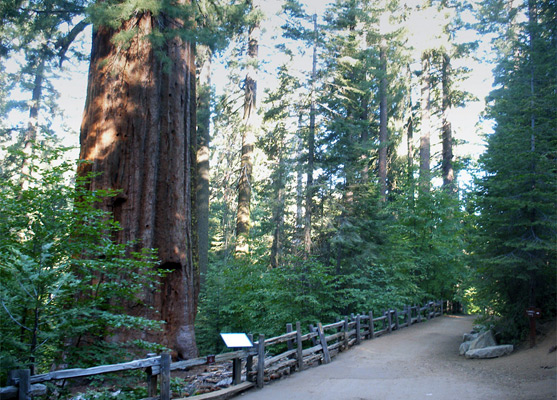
(73, 81)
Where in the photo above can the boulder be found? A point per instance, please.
(464, 347)
(468, 337)
(490, 352)
(485, 339)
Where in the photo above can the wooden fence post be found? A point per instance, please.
(249, 362)
(313, 339)
(165, 376)
(371, 326)
(358, 329)
(397, 326)
(151, 379)
(299, 353)
(290, 346)
(346, 336)
(323, 340)
(151, 383)
(260, 361)
(419, 309)
(427, 315)
(389, 320)
(23, 377)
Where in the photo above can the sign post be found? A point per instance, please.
(236, 341)
(533, 314)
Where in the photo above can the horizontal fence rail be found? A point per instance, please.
(319, 345)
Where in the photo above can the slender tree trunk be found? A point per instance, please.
(248, 141)
(447, 134)
(299, 183)
(31, 133)
(410, 156)
(311, 148)
(364, 139)
(278, 212)
(425, 152)
(383, 135)
(532, 22)
(138, 133)
(203, 172)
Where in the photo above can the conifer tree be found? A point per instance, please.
(516, 203)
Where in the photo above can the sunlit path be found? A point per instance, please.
(421, 362)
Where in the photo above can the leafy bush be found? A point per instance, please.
(62, 280)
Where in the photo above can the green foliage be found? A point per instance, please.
(64, 283)
(514, 216)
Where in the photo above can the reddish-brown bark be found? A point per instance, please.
(138, 132)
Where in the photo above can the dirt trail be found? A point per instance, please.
(422, 362)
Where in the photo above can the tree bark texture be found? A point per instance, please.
(203, 171)
(138, 134)
(32, 130)
(425, 108)
(383, 135)
(243, 217)
(447, 134)
(311, 148)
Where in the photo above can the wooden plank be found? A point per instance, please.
(280, 339)
(335, 346)
(79, 372)
(334, 336)
(281, 365)
(194, 362)
(314, 358)
(307, 336)
(333, 325)
(11, 392)
(326, 357)
(222, 394)
(278, 357)
(312, 350)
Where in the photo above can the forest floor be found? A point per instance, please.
(422, 362)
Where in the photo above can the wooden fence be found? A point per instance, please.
(298, 351)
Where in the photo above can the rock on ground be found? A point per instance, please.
(490, 352)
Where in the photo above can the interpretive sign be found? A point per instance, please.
(236, 340)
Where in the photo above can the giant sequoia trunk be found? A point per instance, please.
(138, 133)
